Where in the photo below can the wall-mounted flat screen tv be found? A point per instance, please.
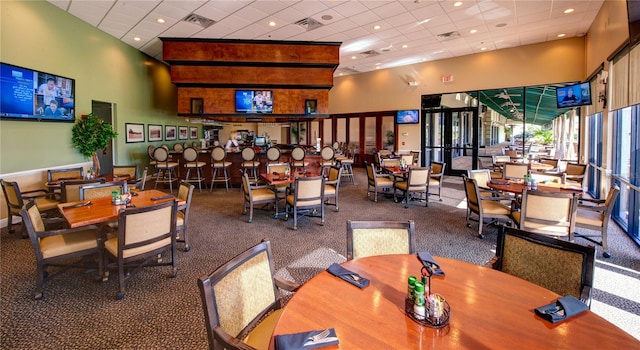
(408, 116)
(574, 95)
(29, 94)
(254, 101)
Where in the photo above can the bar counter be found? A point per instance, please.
(312, 157)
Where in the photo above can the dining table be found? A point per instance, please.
(55, 185)
(489, 309)
(516, 187)
(102, 210)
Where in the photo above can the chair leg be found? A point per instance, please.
(120, 294)
(213, 178)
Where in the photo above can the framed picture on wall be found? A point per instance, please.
(135, 132)
(169, 132)
(154, 132)
(311, 106)
(193, 132)
(183, 133)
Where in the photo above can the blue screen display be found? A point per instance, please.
(254, 101)
(574, 95)
(408, 117)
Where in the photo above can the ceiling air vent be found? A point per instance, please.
(309, 24)
(448, 36)
(370, 53)
(204, 22)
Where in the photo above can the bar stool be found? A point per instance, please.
(152, 160)
(297, 158)
(190, 156)
(218, 162)
(347, 165)
(327, 153)
(250, 165)
(273, 155)
(165, 169)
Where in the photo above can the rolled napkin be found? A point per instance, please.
(561, 309)
(349, 276)
(162, 198)
(79, 205)
(430, 264)
(303, 340)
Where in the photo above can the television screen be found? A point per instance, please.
(254, 101)
(410, 116)
(260, 141)
(574, 95)
(29, 94)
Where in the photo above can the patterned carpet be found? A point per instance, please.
(163, 312)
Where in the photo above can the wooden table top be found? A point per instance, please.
(489, 310)
(517, 187)
(280, 179)
(101, 210)
(107, 178)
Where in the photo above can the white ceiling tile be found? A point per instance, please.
(91, 12)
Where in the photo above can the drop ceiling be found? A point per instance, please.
(374, 34)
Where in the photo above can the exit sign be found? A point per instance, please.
(447, 78)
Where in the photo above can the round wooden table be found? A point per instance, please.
(517, 187)
(489, 310)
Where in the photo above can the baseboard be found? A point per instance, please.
(4, 222)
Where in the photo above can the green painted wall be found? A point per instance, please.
(38, 35)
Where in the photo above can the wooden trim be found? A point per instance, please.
(251, 41)
(254, 86)
(174, 63)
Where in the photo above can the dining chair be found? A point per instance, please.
(241, 300)
(150, 150)
(143, 234)
(219, 163)
(256, 194)
(549, 213)
(185, 193)
(102, 190)
(575, 173)
(487, 207)
(15, 199)
(273, 155)
(178, 147)
(498, 161)
(130, 171)
(416, 158)
(141, 182)
(563, 267)
(407, 159)
(377, 182)
(550, 161)
(594, 214)
(369, 238)
(417, 182)
(482, 177)
(70, 189)
(279, 168)
(332, 186)
(515, 171)
(191, 163)
(165, 168)
(436, 177)
(54, 175)
(307, 194)
(327, 153)
(250, 164)
(297, 159)
(60, 248)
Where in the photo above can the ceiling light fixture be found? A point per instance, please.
(136, 38)
(272, 24)
(562, 35)
(483, 48)
(473, 31)
(353, 57)
(457, 3)
(424, 21)
(568, 10)
(160, 20)
(405, 46)
(376, 27)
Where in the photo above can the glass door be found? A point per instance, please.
(450, 136)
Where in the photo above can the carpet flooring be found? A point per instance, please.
(161, 312)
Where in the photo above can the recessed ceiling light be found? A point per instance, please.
(439, 51)
(353, 57)
(378, 67)
(457, 3)
(424, 60)
(483, 48)
(568, 10)
(341, 74)
(160, 20)
(136, 38)
(473, 31)
(272, 24)
(405, 46)
(424, 21)
(376, 27)
(561, 35)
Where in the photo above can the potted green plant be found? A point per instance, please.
(390, 140)
(91, 134)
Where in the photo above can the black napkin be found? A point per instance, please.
(430, 264)
(561, 309)
(161, 198)
(349, 276)
(79, 205)
(298, 340)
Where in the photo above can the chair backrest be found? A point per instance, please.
(551, 213)
(33, 223)
(143, 180)
(218, 154)
(65, 174)
(129, 170)
(500, 159)
(298, 153)
(575, 169)
(549, 161)
(336, 147)
(515, 171)
(248, 154)
(161, 154)
(190, 154)
(102, 190)
(511, 153)
(277, 168)
(418, 177)
(327, 153)
(185, 193)
(481, 176)
(407, 159)
(474, 204)
(12, 195)
(150, 150)
(560, 266)
(368, 238)
(237, 295)
(178, 147)
(273, 154)
(142, 231)
(70, 190)
(416, 158)
(309, 191)
(371, 175)
(437, 168)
